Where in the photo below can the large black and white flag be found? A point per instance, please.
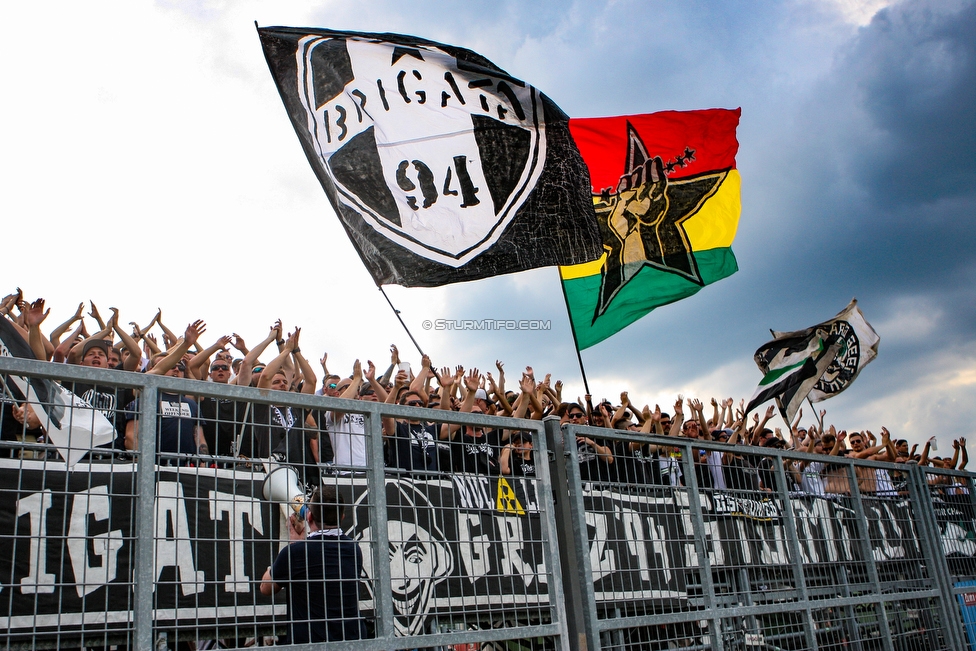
(441, 167)
(818, 362)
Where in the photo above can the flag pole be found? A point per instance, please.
(816, 413)
(572, 328)
(400, 319)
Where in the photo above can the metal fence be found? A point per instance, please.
(675, 544)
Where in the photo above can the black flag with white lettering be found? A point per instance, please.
(441, 167)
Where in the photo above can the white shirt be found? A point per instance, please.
(348, 437)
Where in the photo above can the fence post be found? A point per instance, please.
(868, 552)
(698, 528)
(809, 626)
(376, 481)
(574, 559)
(145, 541)
(930, 538)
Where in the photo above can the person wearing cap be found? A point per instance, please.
(481, 400)
(108, 400)
(516, 457)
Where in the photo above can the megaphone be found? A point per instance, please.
(282, 485)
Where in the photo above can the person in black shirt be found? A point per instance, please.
(474, 449)
(516, 458)
(413, 444)
(320, 573)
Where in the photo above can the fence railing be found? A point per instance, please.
(473, 532)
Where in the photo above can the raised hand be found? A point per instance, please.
(238, 343)
(400, 380)
(678, 406)
(472, 381)
(36, 314)
(291, 344)
(624, 399)
(770, 410)
(193, 332)
(445, 379)
(394, 355)
(425, 362)
(527, 383)
(95, 315)
(695, 405)
(370, 371)
(357, 371)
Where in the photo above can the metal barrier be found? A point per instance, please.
(675, 544)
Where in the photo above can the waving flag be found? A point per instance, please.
(666, 193)
(441, 167)
(71, 424)
(818, 362)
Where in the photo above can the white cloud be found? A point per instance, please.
(858, 12)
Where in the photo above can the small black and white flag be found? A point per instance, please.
(818, 362)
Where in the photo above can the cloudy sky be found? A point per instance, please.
(148, 162)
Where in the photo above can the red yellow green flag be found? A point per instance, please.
(666, 193)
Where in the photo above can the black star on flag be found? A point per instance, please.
(643, 223)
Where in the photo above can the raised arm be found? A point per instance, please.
(63, 348)
(678, 419)
(35, 316)
(378, 389)
(170, 337)
(175, 354)
(419, 382)
(95, 315)
(500, 397)
(278, 363)
(622, 409)
(131, 362)
(244, 376)
(399, 381)
(197, 366)
(924, 461)
(308, 374)
(757, 430)
(58, 332)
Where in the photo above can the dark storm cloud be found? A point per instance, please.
(871, 194)
(890, 168)
(915, 67)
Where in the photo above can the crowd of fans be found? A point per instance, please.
(312, 438)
